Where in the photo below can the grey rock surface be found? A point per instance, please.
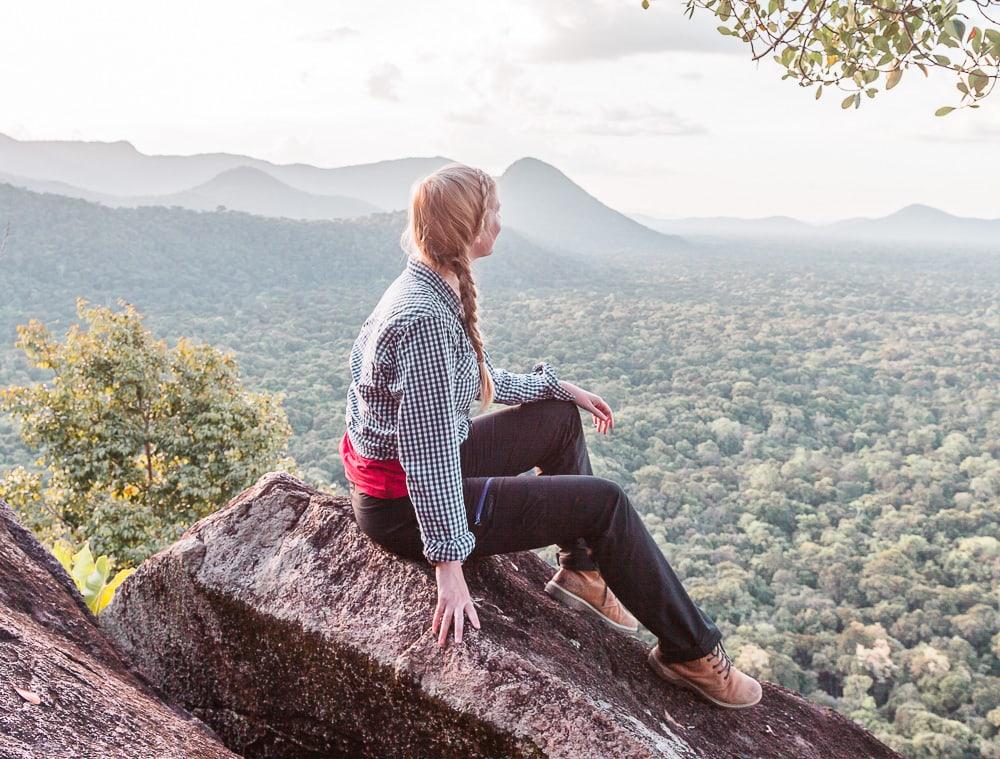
(282, 626)
(91, 702)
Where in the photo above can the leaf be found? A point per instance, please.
(819, 91)
(108, 593)
(978, 79)
(645, 4)
(846, 103)
(944, 111)
(83, 566)
(993, 36)
(724, 30)
(893, 79)
(103, 566)
(29, 696)
(63, 551)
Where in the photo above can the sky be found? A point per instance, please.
(649, 111)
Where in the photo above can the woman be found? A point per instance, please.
(429, 483)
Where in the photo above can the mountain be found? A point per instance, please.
(117, 168)
(257, 192)
(922, 223)
(58, 188)
(725, 226)
(546, 206)
(912, 224)
(240, 189)
(539, 201)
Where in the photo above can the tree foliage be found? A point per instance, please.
(138, 440)
(856, 46)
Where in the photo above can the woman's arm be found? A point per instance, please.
(510, 388)
(428, 449)
(542, 383)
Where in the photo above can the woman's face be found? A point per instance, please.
(483, 245)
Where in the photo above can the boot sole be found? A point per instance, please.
(670, 677)
(575, 602)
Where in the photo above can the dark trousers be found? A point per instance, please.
(589, 517)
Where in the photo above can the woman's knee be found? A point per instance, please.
(608, 493)
(566, 412)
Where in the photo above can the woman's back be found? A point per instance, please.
(421, 314)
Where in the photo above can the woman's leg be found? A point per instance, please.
(522, 513)
(547, 435)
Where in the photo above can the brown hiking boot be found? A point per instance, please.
(585, 590)
(712, 676)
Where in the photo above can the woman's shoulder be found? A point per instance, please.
(404, 308)
(407, 302)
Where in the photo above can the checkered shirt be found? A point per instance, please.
(414, 374)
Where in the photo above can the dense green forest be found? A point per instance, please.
(812, 434)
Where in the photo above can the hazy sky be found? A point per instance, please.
(649, 111)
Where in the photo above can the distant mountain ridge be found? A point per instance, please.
(540, 202)
(913, 223)
(240, 189)
(251, 190)
(119, 169)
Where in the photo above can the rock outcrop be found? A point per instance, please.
(282, 626)
(89, 701)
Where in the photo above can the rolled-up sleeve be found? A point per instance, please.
(540, 384)
(427, 439)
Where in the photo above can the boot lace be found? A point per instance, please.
(724, 661)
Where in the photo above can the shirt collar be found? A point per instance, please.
(436, 282)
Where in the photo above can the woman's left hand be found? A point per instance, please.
(595, 404)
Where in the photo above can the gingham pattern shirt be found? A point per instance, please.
(414, 374)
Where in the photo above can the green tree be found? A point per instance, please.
(137, 441)
(853, 45)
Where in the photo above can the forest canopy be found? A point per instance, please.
(812, 432)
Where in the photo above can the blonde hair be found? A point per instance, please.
(448, 210)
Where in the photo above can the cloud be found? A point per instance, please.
(500, 85)
(328, 35)
(512, 90)
(476, 118)
(592, 30)
(382, 82)
(977, 131)
(646, 120)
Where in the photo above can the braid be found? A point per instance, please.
(467, 289)
(484, 197)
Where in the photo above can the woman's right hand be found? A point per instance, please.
(454, 602)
